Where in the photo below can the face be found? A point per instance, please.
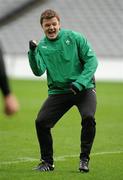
(51, 27)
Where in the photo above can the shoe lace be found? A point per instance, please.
(83, 163)
(45, 166)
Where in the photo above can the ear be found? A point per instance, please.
(59, 25)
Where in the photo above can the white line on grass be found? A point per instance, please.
(59, 158)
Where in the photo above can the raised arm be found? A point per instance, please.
(35, 59)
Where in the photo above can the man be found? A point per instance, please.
(70, 64)
(11, 104)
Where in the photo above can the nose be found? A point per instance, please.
(51, 26)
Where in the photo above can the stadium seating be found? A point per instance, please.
(101, 21)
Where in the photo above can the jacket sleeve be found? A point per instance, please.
(36, 62)
(4, 82)
(88, 60)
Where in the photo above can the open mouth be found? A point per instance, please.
(52, 33)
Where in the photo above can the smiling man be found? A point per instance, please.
(70, 64)
(51, 26)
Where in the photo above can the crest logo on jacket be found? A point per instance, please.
(67, 42)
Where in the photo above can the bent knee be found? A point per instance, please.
(40, 123)
(88, 121)
(44, 123)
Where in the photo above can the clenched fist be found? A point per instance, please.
(32, 45)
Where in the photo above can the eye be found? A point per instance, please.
(47, 25)
(54, 24)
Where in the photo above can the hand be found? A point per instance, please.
(11, 104)
(74, 89)
(32, 45)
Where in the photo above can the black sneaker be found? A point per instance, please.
(83, 167)
(44, 166)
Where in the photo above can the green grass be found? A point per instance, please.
(18, 140)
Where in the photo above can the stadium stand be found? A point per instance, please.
(101, 21)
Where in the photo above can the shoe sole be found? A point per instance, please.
(84, 171)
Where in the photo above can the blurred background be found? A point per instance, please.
(100, 21)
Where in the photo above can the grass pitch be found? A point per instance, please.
(19, 150)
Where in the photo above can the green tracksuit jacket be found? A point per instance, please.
(67, 59)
